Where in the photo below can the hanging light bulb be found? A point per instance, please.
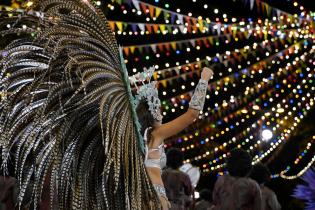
(266, 135)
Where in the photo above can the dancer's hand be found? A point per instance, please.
(206, 74)
(166, 205)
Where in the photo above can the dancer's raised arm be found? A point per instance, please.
(195, 106)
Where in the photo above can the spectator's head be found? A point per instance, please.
(260, 173)
(206, 194)
(239, 163)
(174, 158)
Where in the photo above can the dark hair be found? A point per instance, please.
(239, 163)
(174, 158)
(260, 173)
(145, 117)
(206, 194)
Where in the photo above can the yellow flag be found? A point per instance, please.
(155, 76)
(162, 28)
(132, 49)
(211, 40)
(173, 44)
(164, 83)
(200, 22)
(157, 12)
(119, 26)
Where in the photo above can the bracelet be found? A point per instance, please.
(197, 101)
(160, 190)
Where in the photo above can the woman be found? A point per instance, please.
(67, 107)
(155, 132)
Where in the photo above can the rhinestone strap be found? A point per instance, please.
(160, 190)
(198, 99)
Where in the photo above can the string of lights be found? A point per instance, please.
(212, 137)
(302, 155)
(269, 113)
(258, 88)
(263, 75)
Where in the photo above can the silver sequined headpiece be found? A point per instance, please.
(148, 92)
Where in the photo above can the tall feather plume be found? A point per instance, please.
(65, 112)
(307, 191)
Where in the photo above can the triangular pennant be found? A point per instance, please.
(162, 28)
(143, 7)
(180, 45)
(182, 29)
(245, 2)
(228, 37)
(268, 9)
(164, 83)
(151, 10)
(169, 28)
(173, 16)
(155, 28)
(155, 76)
(194, 21)
(149, 28)
(220, 58)
(128, 2)
(140, 49)
(112, 25)
(153, 47)
(132, 49)
(200, 22)
(192, 67)
(262, 7)
(134, 27)
(160, 46)
(136, 4)
(119, 26)
(210, 40)
(258, 5)
(205, 41)
(157, 12)
(177, 70)
(226, 63)
(141, 26)
(166, 15)
(187, 19)
(180, 19)
(167, 47)
(192, 42)
(184, 76)
(218, 28)
(126, 51)
(147, 49)
(251, 4)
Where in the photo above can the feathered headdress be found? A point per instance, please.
(148, 92)
(307, 191)
(67, 113)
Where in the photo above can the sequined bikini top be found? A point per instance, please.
(154, 162)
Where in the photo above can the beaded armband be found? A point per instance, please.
(197, 101)
(160, 190)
